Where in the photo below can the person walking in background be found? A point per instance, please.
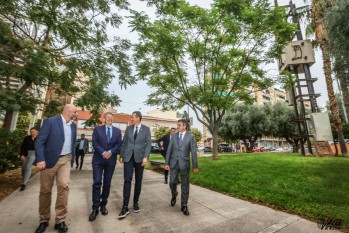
(106, 140)
(135, 150)
(163, 145)
(28, 156)
(54, 149)
(82, 146)
(178, 159)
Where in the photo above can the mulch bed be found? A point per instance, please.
(10, 181)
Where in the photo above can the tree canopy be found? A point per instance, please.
(208, 59)
(250, 123)
(247, 123)
(63, 46)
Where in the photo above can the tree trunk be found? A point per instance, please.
(252, 143)
(344, 82)
(247, 148)
(321, 37)
(8, 119)
(332, 99)
(215, 143)
(297, 146)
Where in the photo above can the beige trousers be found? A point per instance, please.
(62, 173)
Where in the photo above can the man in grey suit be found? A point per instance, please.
(178, 159)
(135, 150)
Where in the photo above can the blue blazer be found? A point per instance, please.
(49, 142)
(100, 144)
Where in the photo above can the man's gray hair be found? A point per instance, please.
(107, 113)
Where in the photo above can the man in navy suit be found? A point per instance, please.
(106, 140)
(163, 145)
(54, 149)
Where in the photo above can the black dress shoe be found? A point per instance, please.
(42, 227)
(185, 210)
(22, 187)
(61, 227)
(165, 182)
(173, 199)
(104, 210)
(93, 215)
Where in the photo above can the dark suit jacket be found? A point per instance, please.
(85, 145)
(100, 144)
(49, 142)
(140, 147)
(181, 152)
(165, 141)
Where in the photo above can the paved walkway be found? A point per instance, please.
(209, 211)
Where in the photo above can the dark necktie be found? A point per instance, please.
(108, 134)
(180, 138)
(136, 133)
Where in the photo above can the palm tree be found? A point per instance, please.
(318, 8)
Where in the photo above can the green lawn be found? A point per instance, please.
(311, 187)
(308, 186)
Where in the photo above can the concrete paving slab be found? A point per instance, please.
(209, 211)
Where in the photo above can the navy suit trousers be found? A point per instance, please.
(99, 168)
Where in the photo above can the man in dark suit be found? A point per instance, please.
(163, 145)
(178, 159)
(82, 146)
(106, 140)
(135, 150)
(54, 149)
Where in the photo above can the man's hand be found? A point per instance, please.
(167, 167)
(107, 155)
(144, 162)
(22, 157)
(195, 171)
(41, 165)
(121, 161)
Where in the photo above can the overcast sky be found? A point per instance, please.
(134, 97)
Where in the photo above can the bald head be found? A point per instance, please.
(69, 112)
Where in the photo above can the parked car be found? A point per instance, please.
(224, 148)
(256, 149)
(207, 149)
(201, 148)
(155, 150)
(260, 149)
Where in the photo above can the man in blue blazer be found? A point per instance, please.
(106, 141)
(54, 149)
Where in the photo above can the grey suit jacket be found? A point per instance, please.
(141, 147)
(181, 153)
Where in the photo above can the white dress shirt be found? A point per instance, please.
(67, 137)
